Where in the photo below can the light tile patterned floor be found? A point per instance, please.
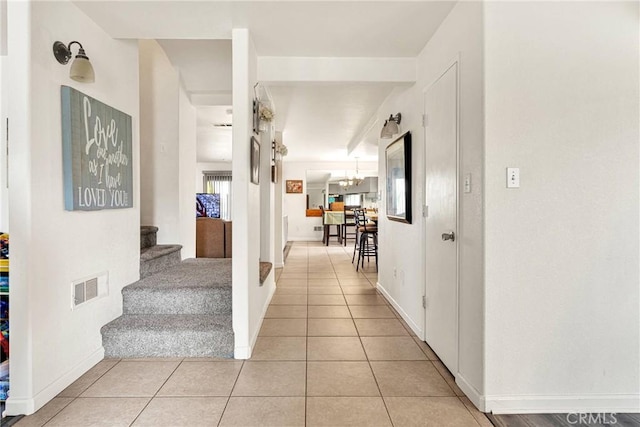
(331, 352)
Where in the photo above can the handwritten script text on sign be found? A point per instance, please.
(104, 138)
(97, 145)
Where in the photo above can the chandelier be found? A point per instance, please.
(354, 180)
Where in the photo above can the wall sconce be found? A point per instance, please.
(81, 69)
(390, 127)
(278, 150)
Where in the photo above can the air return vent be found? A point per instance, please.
(88, 289)
(317, 228)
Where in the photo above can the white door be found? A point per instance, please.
(441, 189)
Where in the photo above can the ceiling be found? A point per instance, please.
(318, 121)
(324, 176)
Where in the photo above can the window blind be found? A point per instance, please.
(219, 182)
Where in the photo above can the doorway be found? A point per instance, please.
(441, 224)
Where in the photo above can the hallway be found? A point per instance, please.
(331, 352)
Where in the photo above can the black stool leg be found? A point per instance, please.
(355, 244)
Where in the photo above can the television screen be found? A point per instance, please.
(207, 205)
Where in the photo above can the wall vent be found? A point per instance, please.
(317, 228)
(88, 289)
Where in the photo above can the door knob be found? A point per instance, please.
(449, 236)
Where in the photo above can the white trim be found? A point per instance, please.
(550, 404)
(244, 352)
(416, 329)
(27, 406)
(472, 393)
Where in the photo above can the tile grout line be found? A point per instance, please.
(157, 391)
(306, 347)
(73, 399)
(384, 403)
(226, 405)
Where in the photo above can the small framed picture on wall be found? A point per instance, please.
(294, 186)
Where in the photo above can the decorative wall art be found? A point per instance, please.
(294, 186)
(398, 162)
(96, 153)
(255, 160)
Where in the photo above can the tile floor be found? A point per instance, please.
(331, 352)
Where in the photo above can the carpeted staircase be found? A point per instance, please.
(153, 257)
(182, 311)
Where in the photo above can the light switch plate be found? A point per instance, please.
(513, 177)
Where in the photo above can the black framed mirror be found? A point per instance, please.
(398, 179)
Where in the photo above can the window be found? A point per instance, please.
(219, 182)
(352, 199)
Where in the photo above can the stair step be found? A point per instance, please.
(157, 251)
(183, 289)
(158, 258)
(148, 236)
(131, 336)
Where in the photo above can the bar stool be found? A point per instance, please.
(366, 241)
(349, 226)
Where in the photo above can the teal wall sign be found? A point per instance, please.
(96, 151)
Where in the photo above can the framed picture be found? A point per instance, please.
(256, 116)
(255, 160)
(398, 162)
(294, 186)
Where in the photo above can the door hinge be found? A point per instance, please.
(424, 301)
(425, 120)
(425, 211)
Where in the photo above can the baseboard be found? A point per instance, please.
(244, 352)
(471, 392)
(27, 406)
(595, 403)
(416, 329)
(306, 238)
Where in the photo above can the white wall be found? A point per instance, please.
(168, 145)
(159, 142)
(402, 245)
(562, 303)
(267, 196)
(250, 300)
(295, 205)
(51, 346)
(278, 232)
(187, 187)
(4, 107)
